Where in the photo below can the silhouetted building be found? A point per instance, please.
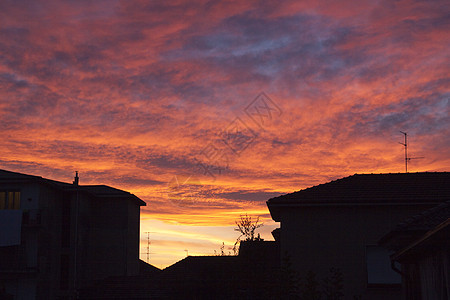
(57, 237)
(421, 245)
(253, 274)
(338, 225)
(146, 285)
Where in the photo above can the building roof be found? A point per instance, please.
(95, 190)
(427, 231)
(142, 286)
(10, 176)
(370, 189)
(201, 264)
(427, 220)
(413, 227)
(434, 240)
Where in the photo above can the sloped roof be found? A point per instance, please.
(434, 240)
(96, 190)
(413, 227)
(200, 264)
(148, 269)
(400, 187)
(363, 189)
(420, 233)
(427, 220)
(142, 286)
(9, 175)
(103, 191)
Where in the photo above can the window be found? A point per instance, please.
(2, 200)
(9, 200)
(379, 271)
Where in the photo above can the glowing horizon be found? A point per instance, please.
(132, 94)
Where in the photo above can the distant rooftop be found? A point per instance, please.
(427, 220)
(413, 227)
(96, 190)
(203, 262)
(361, 189)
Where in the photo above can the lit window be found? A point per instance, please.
(379, 269)
(16, 200)
(2, 200)
(10, 200)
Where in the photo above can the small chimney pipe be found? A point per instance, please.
(77, 179)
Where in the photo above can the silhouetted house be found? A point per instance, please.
(202, 277)
(421, 244)
(338, 225)
(56, 237)
(251, 275)
(146, 285)
(195, 277)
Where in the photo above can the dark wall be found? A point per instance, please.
(318, 238)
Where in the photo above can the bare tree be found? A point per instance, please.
(247, 227)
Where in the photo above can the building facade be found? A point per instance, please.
(57, 237)
(421, 246)
(338, 225)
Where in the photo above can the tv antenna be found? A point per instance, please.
(405, 144)
(148, 245)
(187, 252)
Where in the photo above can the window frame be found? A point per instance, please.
(10, 199)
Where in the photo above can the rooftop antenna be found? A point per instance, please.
(187, 252)
(148, 245)
(405, 144)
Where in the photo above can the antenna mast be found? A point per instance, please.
(405, 144)
(148, 245)
(406, 150)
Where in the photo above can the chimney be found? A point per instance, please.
(75, 182)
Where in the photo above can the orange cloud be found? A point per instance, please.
(131, 93)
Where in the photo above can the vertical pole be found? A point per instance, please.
(148, 247)
(406, 153)
(405, 144)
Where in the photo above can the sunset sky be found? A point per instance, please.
(206, 109)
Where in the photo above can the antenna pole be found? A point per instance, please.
(406, 150)
(405, 144)
(148, 246)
